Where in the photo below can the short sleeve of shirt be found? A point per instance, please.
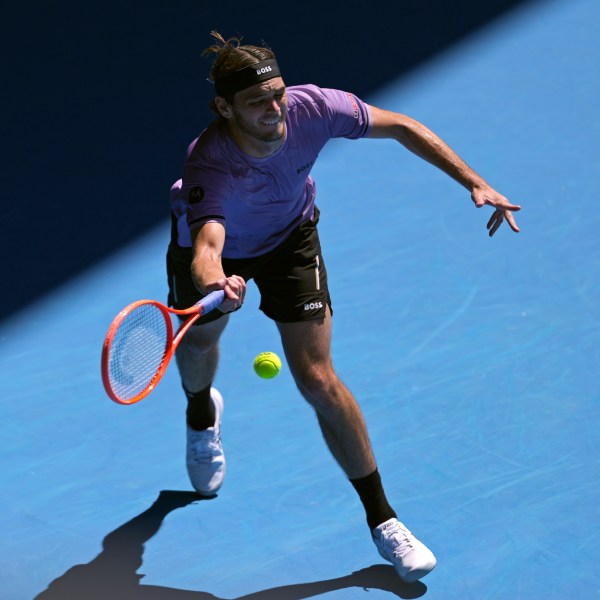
(204, 192)
(349, 117)
(206, 183)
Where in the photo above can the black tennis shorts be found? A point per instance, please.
(291, 278)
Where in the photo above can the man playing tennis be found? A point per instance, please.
(245, 208)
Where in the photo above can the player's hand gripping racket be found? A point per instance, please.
(140, 343)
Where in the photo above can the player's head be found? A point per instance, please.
(238, 66)
(250, 92)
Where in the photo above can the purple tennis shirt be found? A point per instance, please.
(261, 200)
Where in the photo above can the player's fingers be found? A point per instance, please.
(506, 205)
(492, 219)
(240, 282)
(495, 222)
(239, 286)
(511, 222)
(225, 285)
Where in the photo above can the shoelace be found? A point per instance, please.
(205, 444)
(397, 540)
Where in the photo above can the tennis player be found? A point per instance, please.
(245, 209)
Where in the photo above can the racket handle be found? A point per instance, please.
(210, 302)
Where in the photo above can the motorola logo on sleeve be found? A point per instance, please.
(196, 195)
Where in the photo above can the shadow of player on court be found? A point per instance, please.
(113, 573)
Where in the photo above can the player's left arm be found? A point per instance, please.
(422, 142)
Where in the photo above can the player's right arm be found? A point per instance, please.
(207, 270)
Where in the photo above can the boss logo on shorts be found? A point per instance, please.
(313, 306)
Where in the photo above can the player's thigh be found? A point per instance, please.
(307, 347)
(202, 338)
(292, 279)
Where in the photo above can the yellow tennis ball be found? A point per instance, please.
(267, 365)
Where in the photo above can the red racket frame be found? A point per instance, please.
(202, 307)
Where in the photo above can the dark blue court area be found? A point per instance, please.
(475, 360)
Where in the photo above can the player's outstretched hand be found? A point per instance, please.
(504, 209)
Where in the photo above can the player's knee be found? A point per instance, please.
(318, 385)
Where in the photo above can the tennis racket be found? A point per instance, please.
(140, 343)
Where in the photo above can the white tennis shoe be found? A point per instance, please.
(410, 557)
(205, 459)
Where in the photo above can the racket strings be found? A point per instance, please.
(138, 350)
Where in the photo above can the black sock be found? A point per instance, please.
(200, 413)
(372, 496)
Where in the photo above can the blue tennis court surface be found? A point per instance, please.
(475, 361)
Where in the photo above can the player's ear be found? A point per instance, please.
(223, 107)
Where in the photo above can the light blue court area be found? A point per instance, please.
(475, 361)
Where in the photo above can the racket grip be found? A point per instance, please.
(211, 301)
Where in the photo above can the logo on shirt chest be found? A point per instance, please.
(308, 165)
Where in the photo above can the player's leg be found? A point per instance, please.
(307, 349)
(294, 293)
(197, 359)
(292, 281)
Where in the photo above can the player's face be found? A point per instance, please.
(259, 111)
